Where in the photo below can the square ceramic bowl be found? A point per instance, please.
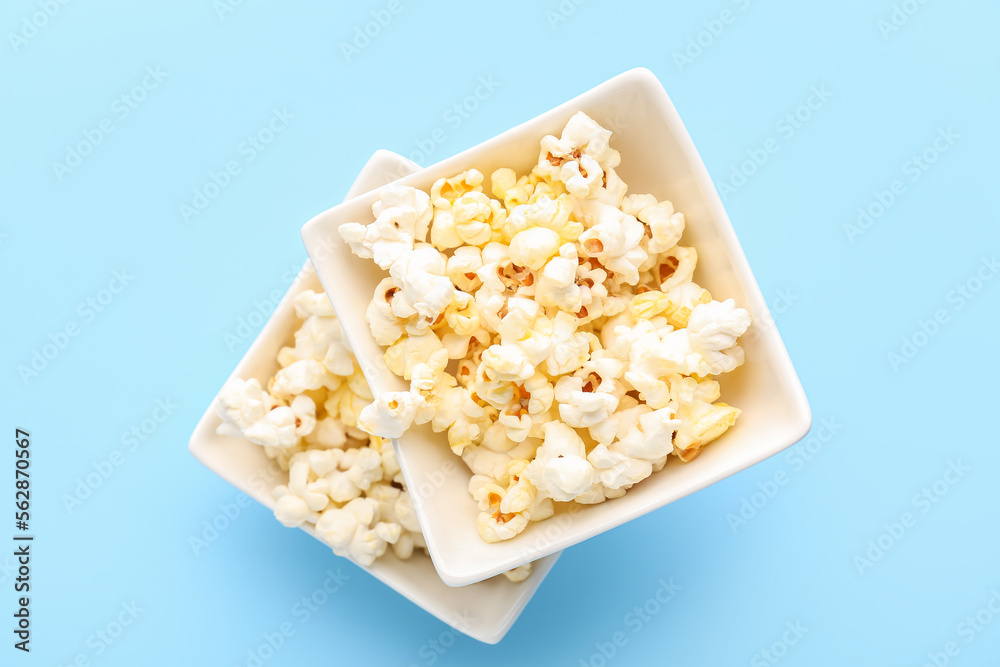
(485, 611)
(658, 157)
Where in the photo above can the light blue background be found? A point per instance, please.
(162, 337)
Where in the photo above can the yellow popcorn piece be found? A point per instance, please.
(682, 300)
(648, 305)
(702, 420)
(445, 191)
(533, 247)
(548, 211)
(519, 574)
(407, 352)
(675, 267)
(462, 268)
(512, 190)
(516, 191)
(470, 221)
(462, 315)
(547, 188)
(705, 428)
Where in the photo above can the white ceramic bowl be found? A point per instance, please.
(658, 157)
(485, 611)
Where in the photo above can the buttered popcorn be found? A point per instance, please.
(554, 331)
(343, 481)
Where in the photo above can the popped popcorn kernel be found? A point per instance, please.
(402, 216)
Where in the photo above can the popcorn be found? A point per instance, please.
(468, 221)
(707, 349)
(613, 189)
(717, 325)
(570, 347)
(676, 266)
(467, 348)
(409, 351)
(525, 325)
(702, 420)
(248, 411)
(390, 466)
(503, 363)
(242, 403)
(493, 524)
(329, 433)
(291, 510)
(402, 215)
(683, 299)
(591, 395)
(522, 496)
(462, 267)
(302, 376)
(712, 331)
(462, 315)
(391, 414)
(483, 461)
(445, 191)
(507, 502)
(664, 225)
(579, 157)
(519, 574)
(632, 456)
(304, 410)
(529, 401)
(354, 531)
(560, 468)
(557, 281)
(534, 246)
(615, 240)
(385, 325)
(320, 338)
(512, 190)
(543, 212)
(425, 290)
(307, 483)
(553, 331)
(471, 419)
(348, 399)
(320, 353)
